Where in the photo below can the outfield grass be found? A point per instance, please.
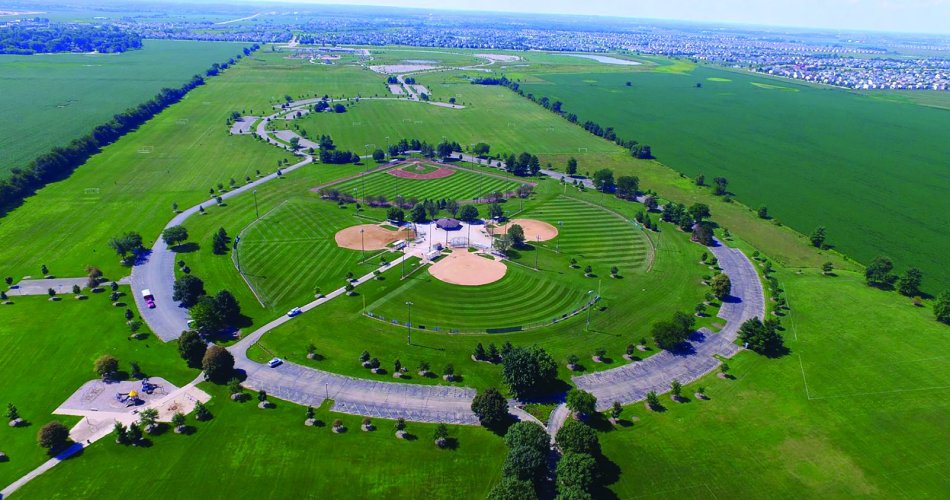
(47, 350)
(813, 156)
(58, 97)
(461, 185)
(854, 410)
(270, 453)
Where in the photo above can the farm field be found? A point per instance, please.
(43, 362)
(812, 155)
(283, 461)
(862, 400)
(80, 91)
(461, 186)
(522, 125)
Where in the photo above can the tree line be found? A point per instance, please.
(26, 40)
(60, 162)
(637, 150)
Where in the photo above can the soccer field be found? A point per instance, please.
(461, 185)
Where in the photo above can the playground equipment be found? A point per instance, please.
(130, 398)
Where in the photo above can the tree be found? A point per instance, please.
(571, 166)
(909, 283)
(604, 179)
(201, 412)
(527, 464)
(721, 186)
(703, 233)
(481, 149)
(174, 235)
(134, 434)
(468, 213)
(12, 412)
(495, 211)
(527, 434)
(528, 370)
(218, 364)
(581, 402)
(121, 433)
(721, 286)
(878, 272)
(516, 235)
(763, 212)
(219, 242)
(700, 180)
(491, 408)
(105, 366)
(128, 243)
(670, 334)
(441, 435)
(762, 338)
(227, 307)
(576, 470)
(191, 348)
(818, 237)
(513, 488)
(827, 268)
(676, 388)
(577, 437)
(942, 307)
(206, 316)
(178, 420)
(627, 187)
(379, 155)
(148, 418)
(396, 215)
(616, 409)
(187, 290)
(53, 436)
(76, 290)
(699, 211)
(418, 213)
(653, 401)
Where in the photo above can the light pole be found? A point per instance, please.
(560, 223)
(237, 255)
(256, 211)
(587, 328)
(362, 245)
(326, 386)
(409, 324)
(537, 252)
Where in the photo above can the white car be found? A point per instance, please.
(293, 312)
(275, 362)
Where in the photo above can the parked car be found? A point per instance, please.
(293, 312)
(149, 298)
(275, 362)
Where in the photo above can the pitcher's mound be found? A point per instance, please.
(374, 237)
(533, 229)
(462, 267)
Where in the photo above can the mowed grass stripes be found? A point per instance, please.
(291, 250)
(460, 186)
(523, 297)
(594, 236)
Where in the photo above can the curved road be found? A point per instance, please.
(440, 403)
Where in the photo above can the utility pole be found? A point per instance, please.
(587, 328)
(409, 323)
(362, 245)
(537, 252)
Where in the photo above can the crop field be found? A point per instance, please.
(812, 156)
(522, 298)
(859, 415)
(522, 125)
(271, 453)
(290, 250)
(594, 236)
(462, 185)
(80, 91)
(43, 362)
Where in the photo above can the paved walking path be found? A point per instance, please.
(62, 286)
(630, 383)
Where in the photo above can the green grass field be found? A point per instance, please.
(267, 453)
(461, 185)
(43, 362)
(813, 156)
(56, 98)
(854, 410)
(522, 125)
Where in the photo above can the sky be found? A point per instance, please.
(915, 16)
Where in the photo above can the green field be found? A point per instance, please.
(461, 185)
(813, 156)
(854, 410)
(493, 115)
(271, 453)
(43, 362)
(58, 97)
(291, 250)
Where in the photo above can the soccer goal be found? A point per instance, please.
(581, 150)
(146, 150)
(182, 121)
(90, 191)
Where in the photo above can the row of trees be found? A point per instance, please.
(60, 162)
(338, 157)
(211, 314)
(61, 37)
(880, 274)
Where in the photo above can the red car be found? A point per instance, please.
(149, 299)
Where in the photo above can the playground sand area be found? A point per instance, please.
(113, 396)
(374, 237)
(462, 267)
(534, 230)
